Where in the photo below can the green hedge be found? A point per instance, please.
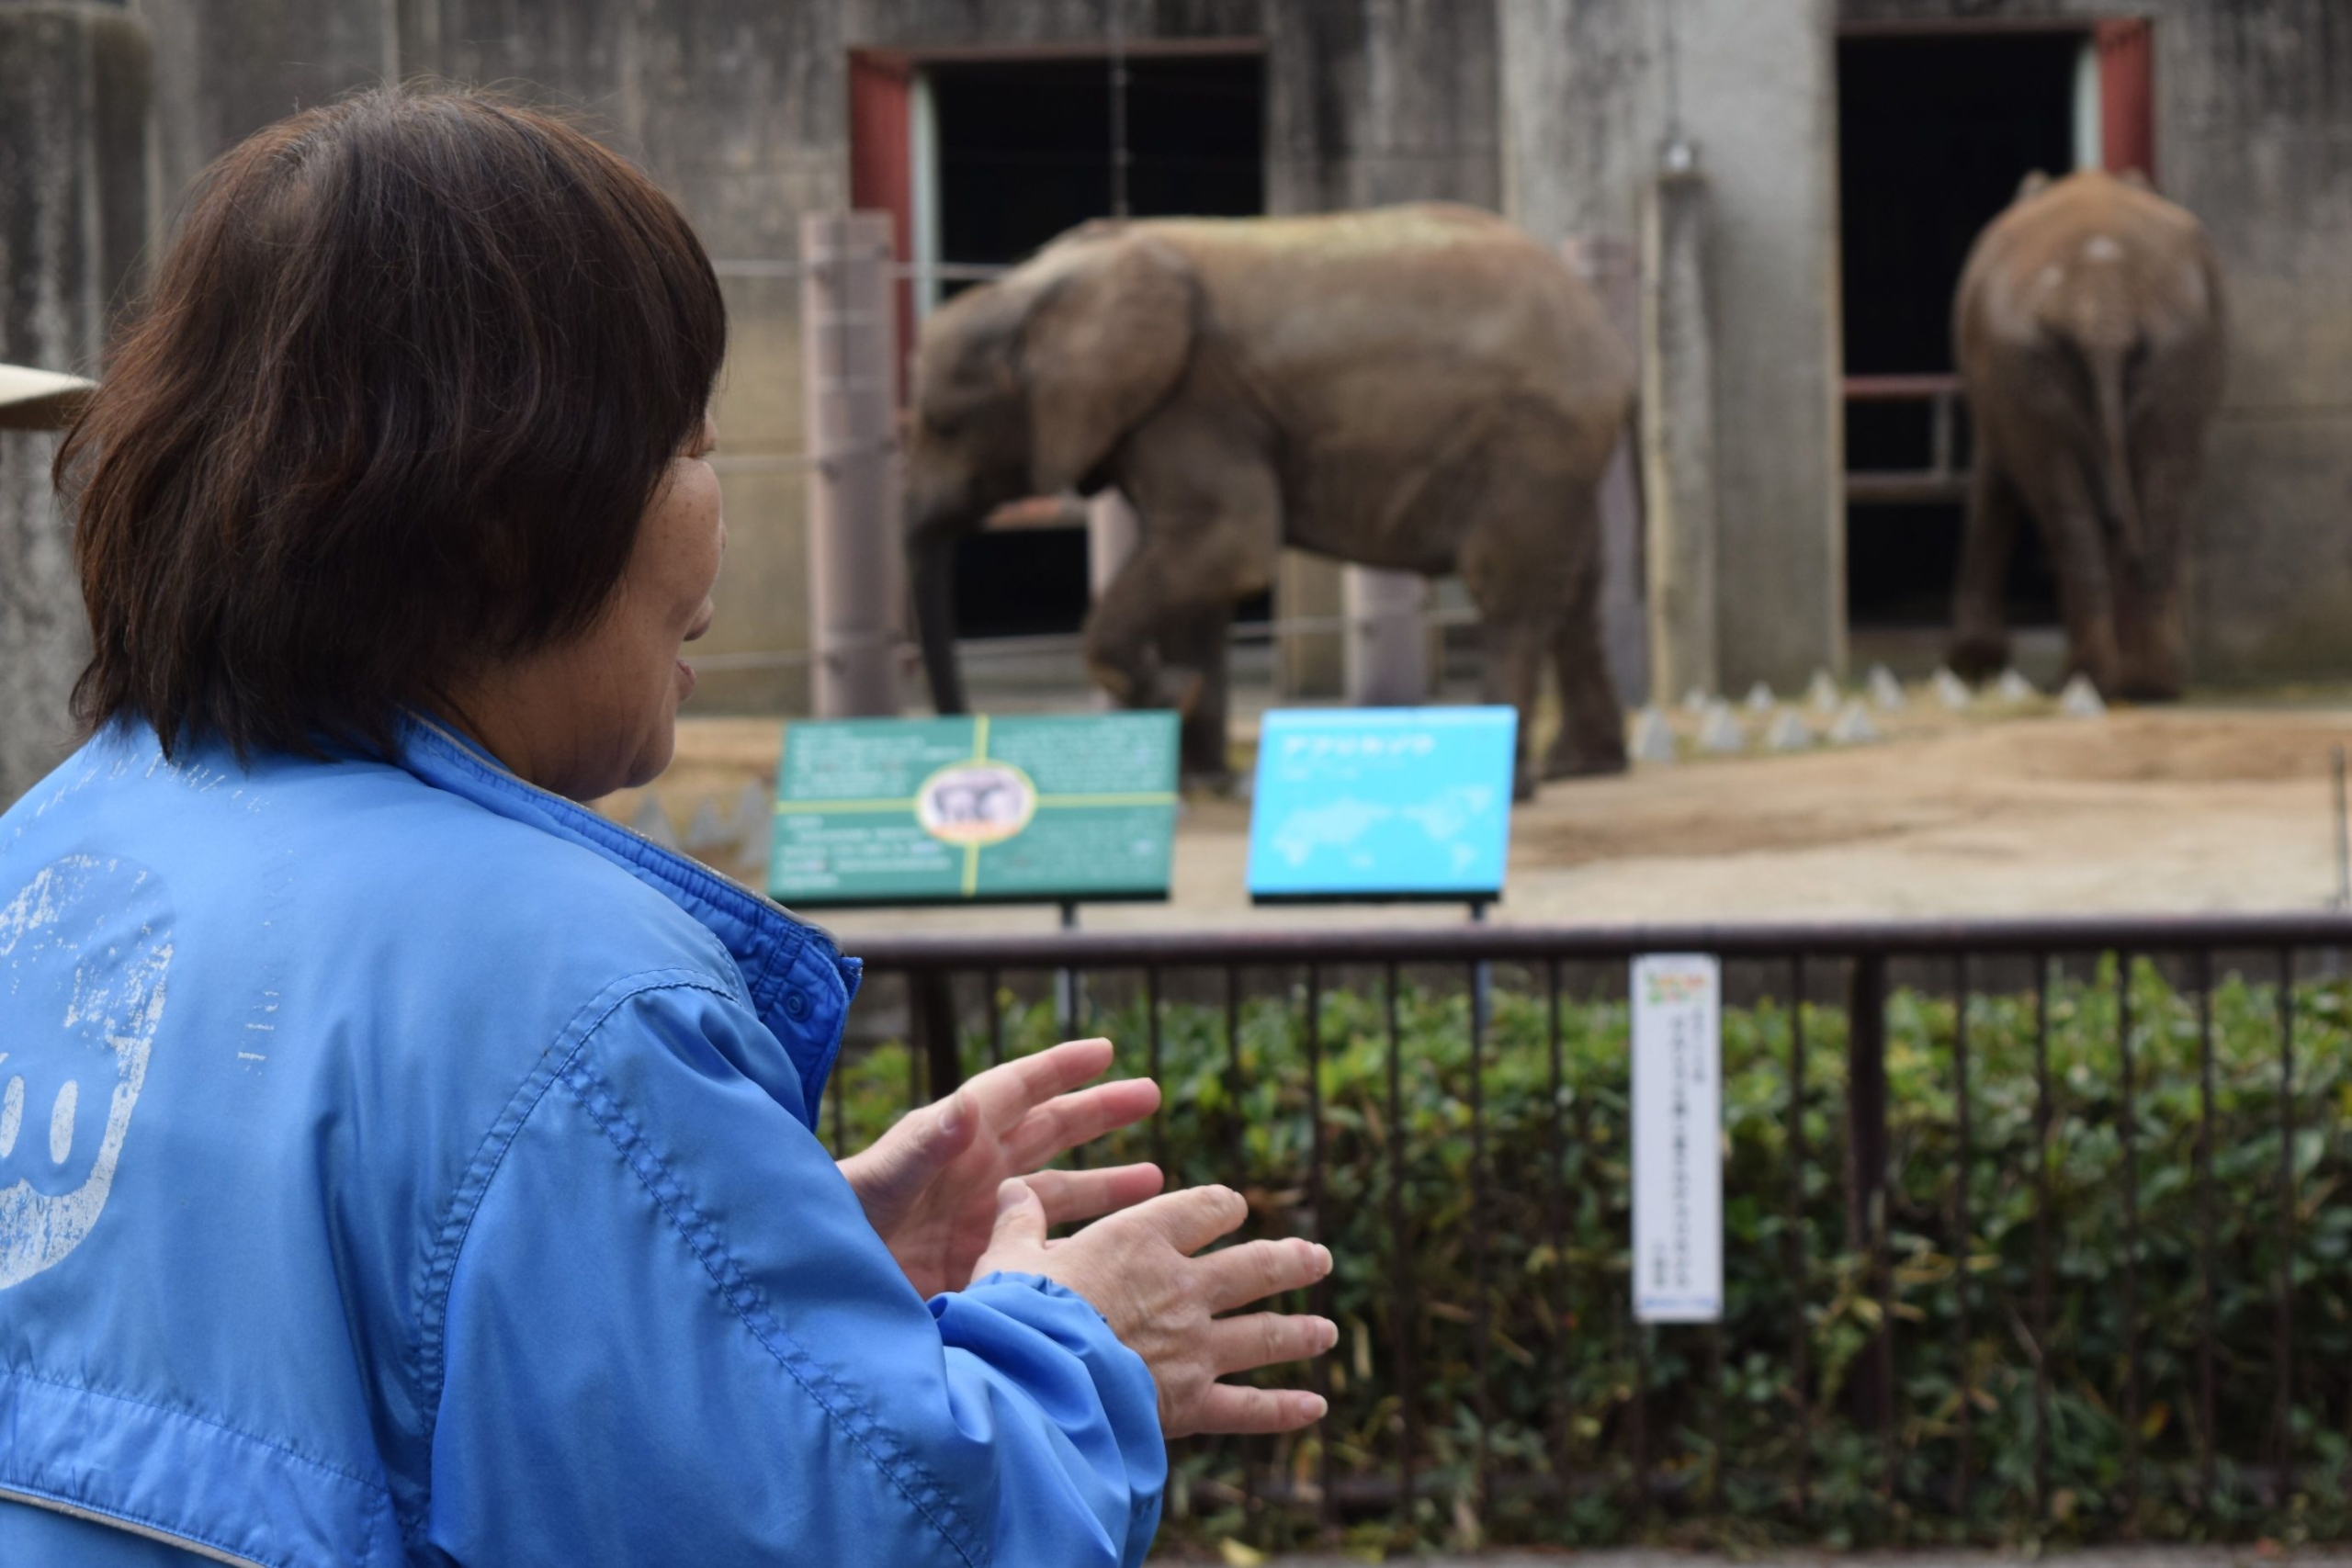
(1721, 1413)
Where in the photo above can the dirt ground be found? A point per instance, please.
(2001, 809)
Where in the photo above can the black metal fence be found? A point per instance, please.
(2032, 1228)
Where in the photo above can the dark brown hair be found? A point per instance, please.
(394, 406)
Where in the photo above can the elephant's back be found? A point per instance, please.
(1434, 300)
(2089, 230)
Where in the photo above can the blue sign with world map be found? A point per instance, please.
(1382, 803)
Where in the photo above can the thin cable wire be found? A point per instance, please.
(1118, 10)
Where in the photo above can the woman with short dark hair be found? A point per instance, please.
(400, 1163)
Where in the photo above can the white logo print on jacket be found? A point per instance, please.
(84, 952)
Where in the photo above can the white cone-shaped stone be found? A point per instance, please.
(1951, 691)
(2013, 687)
(1760, 698)
(1721, 731)
(1823, 693)
(653, 822)
(706, 829)
(2081, 699)
(755, 826)
(1695, 700)
(1652, 740)
(1790, 732)
(1886, 690)
(1854, 726)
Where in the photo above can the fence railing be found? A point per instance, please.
(1945, 477)
(2032, 1226)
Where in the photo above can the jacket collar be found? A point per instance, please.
(782, 960)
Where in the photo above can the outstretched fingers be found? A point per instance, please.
(1229, 1407)
(1257, 1270)
(1070, 1196)
(1058, 1070)
(1069, 1119)
(1190, 1220)
(1266, 1339)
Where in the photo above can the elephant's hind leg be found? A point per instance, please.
(1592, 724)
(1533, 564)
(1514, 672)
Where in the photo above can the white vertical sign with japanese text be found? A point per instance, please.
(1678, 1138)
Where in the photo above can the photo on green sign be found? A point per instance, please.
(1024, 808)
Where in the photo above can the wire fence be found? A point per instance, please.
(2031, 1228)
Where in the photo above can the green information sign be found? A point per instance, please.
(1045, 809)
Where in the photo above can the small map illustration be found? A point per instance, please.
(1382, 803)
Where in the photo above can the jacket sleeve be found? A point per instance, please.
(671, 1336)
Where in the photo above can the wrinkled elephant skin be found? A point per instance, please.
(2088, 331)
(1421, 388)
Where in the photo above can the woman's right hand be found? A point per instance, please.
(1137, 1269)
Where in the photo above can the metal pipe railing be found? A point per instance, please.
(1454, 944)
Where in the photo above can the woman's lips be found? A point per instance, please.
(687, 676)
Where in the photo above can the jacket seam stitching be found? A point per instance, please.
(474, 1186)
(702, 1239)
(26, 1374)
(37, 1494)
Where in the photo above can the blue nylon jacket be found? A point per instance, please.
(404, 1165)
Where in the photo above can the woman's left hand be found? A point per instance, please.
(929, 1184)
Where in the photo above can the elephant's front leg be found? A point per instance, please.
(1979, 640)
(1162, 611)
(1197, 645)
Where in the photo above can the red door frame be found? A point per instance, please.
(2127, 94)
(881, 149)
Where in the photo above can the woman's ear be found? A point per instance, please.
(1104, 345)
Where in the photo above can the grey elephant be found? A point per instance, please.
(1423, 389)
(2088, 331)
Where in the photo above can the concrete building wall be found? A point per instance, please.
(1553, 110)
(1369, 104)
(1592, 91)
(75, 79)
(741, 110)
(2254, 134)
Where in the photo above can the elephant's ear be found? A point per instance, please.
(2034, 185)
(1102, 346)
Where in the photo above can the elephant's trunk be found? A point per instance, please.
(2114, 466)
(933, 571)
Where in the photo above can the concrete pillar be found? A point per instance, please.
(75, 79)
(856, 560)
(1307, 588)
(1592, 90)
(1678, 425)
(1387, 653)
(1611, 266)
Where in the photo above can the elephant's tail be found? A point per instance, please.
(2112, 475)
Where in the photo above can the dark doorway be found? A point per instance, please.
(1934, 133)
(1025, 151)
